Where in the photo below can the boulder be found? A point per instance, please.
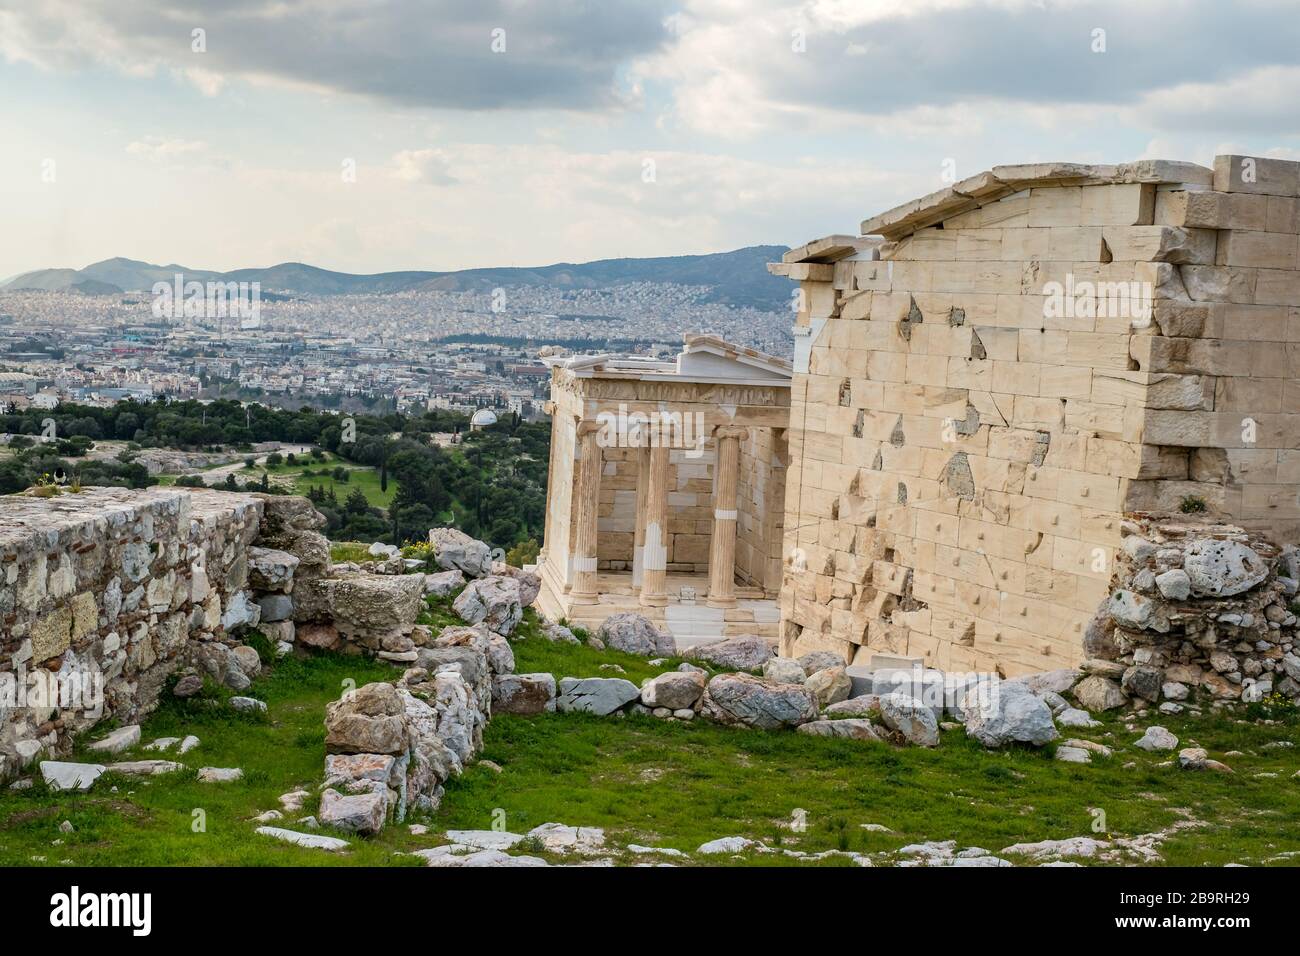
(595, 695)
(559, 838)
(1096, 693)
(860, 706)
(1009, 713)
(1073, 717)
(493, 601)
(1218, 568)
(247, 705)
(1137, 612)
(1056, 682)
(635, 634)
(241, 611)
(749, 701)
(374, 604)
(368, 720)
(784, 670)
(911, 719)
(830, 685)
(676, 690)
(1156, 738)
(444, 583)
(270, 569)
(746, 653)
(530, 585)
(852, 728)
(457, 551)
(814, 661)
(523, 693)
(361, 813)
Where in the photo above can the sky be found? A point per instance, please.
(368, 136)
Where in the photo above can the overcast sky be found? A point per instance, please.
(489, 132)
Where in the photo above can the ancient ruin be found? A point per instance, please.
(991, 377)
(665, 490)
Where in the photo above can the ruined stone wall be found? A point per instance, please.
(119, 583)
(985, 400)
(1232, 324)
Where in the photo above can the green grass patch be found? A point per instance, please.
(673, 784)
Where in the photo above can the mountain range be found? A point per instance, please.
(737, 278)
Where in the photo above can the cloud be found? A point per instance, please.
(561, 55)
(429, 166)
(825, 62)
(161, 149)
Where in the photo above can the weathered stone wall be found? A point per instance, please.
(983, 400)
(119, 583)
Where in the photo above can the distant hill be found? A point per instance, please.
(734, 278)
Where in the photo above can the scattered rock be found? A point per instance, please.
(61, 775)
(124, 738)
(1156, 738)
(220, 774)
(444, 583)
(595, 695)
(733, 844)
(852, 728)
(523, 693)
(1097, 693)
(784, 670)
(635, 634)
(1008, 713)
(457, 551)
(248, 704)
(749, 701)
(312, 840)
(911, 719)
(494, 601)
(738, 653)
(361, 813)
(676, 690)
(829, 686)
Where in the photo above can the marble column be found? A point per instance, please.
(588, 511)
(654, 559)
(722, 549)
(642, 492)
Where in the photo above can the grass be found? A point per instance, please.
(658, 783)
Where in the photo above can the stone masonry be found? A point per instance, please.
(125, 584)
(991, 377)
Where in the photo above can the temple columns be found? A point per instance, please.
(654, 557)
(722, 549)
(588, 511)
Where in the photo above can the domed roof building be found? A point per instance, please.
(482, 419)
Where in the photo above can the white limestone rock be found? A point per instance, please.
(124, 738)
(635, 634)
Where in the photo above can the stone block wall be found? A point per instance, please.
(1023, 359)
(122, 584)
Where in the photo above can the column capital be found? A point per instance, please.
(731, 431)
(587, 427)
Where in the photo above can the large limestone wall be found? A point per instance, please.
(965, 441)
(123, 584)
